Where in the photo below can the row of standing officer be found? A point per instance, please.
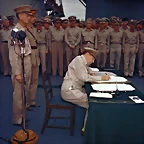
(115, 39)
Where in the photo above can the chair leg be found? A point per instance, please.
(73, 114)
(72, 122)
(46, 119)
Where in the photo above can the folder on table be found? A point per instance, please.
(100, 95)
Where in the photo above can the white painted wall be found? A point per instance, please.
(74, 7)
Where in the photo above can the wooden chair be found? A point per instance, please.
(55, 102)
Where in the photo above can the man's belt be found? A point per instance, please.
(41, 43)
(86, 42)
(131, 43)
(4, 41)
(115, 43)
(33, 47)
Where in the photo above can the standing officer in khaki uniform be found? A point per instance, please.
(103, 41)
(57, 46)
(124, 24)
(47, 24)
(22, 13)
(131, 45)
(64, 25)
(141, 50)
(89, 36)
(11, 21)
(116, 41)
(31, 35)
(4, 34)
(41, 40)
(72, 39)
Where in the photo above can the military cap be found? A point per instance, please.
(91, 51)
(33, 12)
(72, 18)
(125, 19)
(65, 21)
(133, 22)
(102, 21)
(38, 22)
(23, 9)
(10, 17)
(4, 18)
(89, 20)
(57, 20)
(82, 22)
(105, 19)
(117, 24)
(47, 20)
(77, 21)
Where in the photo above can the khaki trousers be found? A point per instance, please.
(42, 54)
(102, 55)
(115, 55)
(71, 53)
(141, 58)
(129, 59)
(5, 58)
(17, 97)
(57, 58)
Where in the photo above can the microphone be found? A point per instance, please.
(117, 92)
(19, 35)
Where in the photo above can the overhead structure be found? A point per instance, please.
(53, 8)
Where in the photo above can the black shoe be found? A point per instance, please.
(82, 132)
(35, 105)
(29, 109)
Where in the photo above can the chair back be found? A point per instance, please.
(47, 87)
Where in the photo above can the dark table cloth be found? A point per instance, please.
(116, 120)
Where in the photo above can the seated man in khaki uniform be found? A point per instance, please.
(78, 73)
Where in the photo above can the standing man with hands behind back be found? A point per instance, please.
(78, 73)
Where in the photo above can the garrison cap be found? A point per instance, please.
(33, 12)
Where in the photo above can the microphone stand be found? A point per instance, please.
(24, 136)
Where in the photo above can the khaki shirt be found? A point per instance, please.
(57, 34)
(116, 37)
(103, 37)
(30, 37)
(15, 52)
(131, 38)
(78, 73)
(73, 36)
(48, 39)
(4, 34)
(141, 36)
(90, 36)
(41, 36)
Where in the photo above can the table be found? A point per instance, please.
(114, 121)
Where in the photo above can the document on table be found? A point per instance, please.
(100, 95)
(112, 87)
(114, 79)
(136, 99)
(94, 69)
(102, 73)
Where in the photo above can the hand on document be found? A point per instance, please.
(106, 77)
